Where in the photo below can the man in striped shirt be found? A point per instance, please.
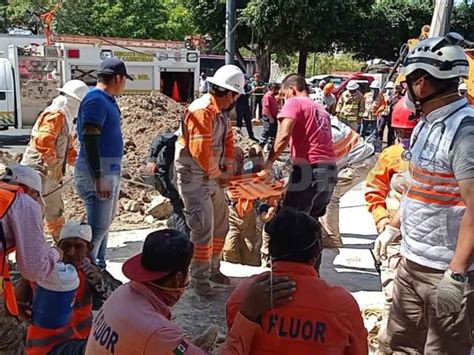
(203, 162)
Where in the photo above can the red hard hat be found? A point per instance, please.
(402, 116)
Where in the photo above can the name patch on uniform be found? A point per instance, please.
(104, 334)
(308, 330)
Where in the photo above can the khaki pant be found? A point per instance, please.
(242, 244)
(413, 326)
(208, 220)
(347, 179)
(54, 209)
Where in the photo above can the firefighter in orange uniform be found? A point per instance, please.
(321, 319)
(75, 243)
(52, 147)
(386, 184)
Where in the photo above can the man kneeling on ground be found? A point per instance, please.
(75, 243)
(136, 319)
(322, 319)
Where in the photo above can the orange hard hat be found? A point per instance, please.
(402, 116)
(328, 88)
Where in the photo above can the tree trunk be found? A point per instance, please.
(263, 56)
(303, 59)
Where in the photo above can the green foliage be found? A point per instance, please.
(320, 63)
(161, 19)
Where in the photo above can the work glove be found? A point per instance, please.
(449, 295)
(383, 240)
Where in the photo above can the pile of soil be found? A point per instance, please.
(143, 118)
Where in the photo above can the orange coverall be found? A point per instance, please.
(321, 319)
(50, 149)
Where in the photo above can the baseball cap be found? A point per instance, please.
(113, 66)
(22, 174)
(164, 252)
(76, 229)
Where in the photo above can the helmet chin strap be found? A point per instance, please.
(437, 95)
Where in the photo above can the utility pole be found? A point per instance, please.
(230, 32)
(441, 18)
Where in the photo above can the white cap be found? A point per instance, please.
(25, 175)
(229, 77)
(462, 87)
(375, 84)
(77, 89)
(74, 229)
(390, 85)
(352, 85)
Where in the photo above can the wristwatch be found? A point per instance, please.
(457, 276)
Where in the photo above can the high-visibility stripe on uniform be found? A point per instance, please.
(42, 341)
(7, 197)
(345, 145)
(217, 245)
(202, 252)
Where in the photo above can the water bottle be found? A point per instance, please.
(54, 298)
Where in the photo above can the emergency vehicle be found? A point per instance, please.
(30, 72)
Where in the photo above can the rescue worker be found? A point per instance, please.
(321, 319)
(75, 243)
(351, 106)
(161, 166)
(159, 276)
(385, 186)
(242, 109)
(355, 158)
(244, 239)
(270, 113)
(434, 281)
(52, 147)
(22, 231)
(374, 107)
(329, 98)
(257, 86)
(204, 163)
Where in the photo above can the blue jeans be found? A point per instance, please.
(100, 212)
(369, 127)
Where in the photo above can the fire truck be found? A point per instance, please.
(31, 71)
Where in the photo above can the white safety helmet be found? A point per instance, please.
(352, 85)
(390, 85)
(462, 87)
(375, 84)
(229, 77)
(441, 57)
(77, 89)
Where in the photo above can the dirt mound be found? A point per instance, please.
(143, 118)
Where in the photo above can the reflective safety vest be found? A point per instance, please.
(433, 208)
(7, 197)
(349, 146)
(42, 341)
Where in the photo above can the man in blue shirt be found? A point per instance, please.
(98, 166)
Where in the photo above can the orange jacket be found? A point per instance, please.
(41, 341)
(7, 196)
(50, 125)
(204, 141)
(379, 193)
(321, 319)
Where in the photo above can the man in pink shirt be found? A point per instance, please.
(306, 126)
(136, 319)
(270, 113)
